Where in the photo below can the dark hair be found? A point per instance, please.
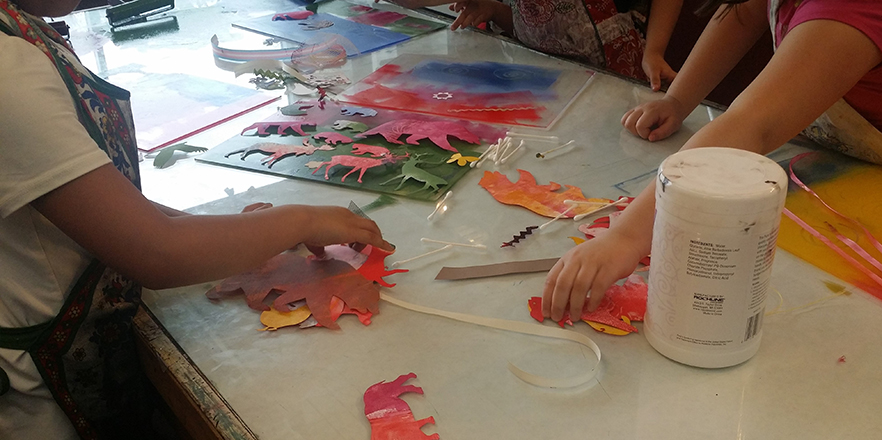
(710, 6)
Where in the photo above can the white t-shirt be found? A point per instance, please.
(42, 147)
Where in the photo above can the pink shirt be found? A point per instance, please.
(863, 15)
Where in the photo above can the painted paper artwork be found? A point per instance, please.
(365, 37)
(848, 186)
(393, 21)
(545, 200)
(390, 416)
(393, 153)
(510, 94)
(620, 305)
(318, 281)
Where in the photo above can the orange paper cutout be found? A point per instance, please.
(541, 199)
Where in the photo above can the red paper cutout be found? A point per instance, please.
(391, 417)
(541, 199)
(360, 164)
(315, 280)
(294, 15)
(629, 300)
(332, 137)
(278, 152)
(435, 131)
(373, 150)
(262, 127)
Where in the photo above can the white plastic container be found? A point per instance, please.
(716, 224)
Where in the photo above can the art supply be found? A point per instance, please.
(552, 139)
(507, 156)
(522, 235)
(476, 246)
(439, 205)
(716, 225)
(542, 154)
(399, 263)
(621, 201)
(557, 217)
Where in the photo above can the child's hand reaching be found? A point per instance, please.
(591, 266)
(657, 70)
(327, 225)
(472, 13)
(655, 120)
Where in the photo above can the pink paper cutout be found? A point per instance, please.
(315, 280)
(629, 300)
(373, 150)
(278, 152)
(435, 131)
(391, 417)
(332, 138)
(360, 164)
(262, 127)
(541, 199)
(294, 15)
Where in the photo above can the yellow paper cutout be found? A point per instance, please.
(577, 240)
(603, 328)
(274, 319)
(461, 160)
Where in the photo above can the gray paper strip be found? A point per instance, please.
(492, 270)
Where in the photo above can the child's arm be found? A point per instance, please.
(104, 213)
(816, 64)
(723, 43)
(663, 16)
(475, 12)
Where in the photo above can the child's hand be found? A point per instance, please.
(591, 266)
(472, 13)
(327, 225)
(655, 120)
(657, 70)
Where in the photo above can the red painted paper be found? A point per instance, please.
(391, 417)
(629, 300)
(435, 131)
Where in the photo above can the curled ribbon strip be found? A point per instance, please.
(518, 327)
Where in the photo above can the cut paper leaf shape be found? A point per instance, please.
(315, 280)
(435, 131)
(263, 127)
(391, 417)
(620, 303)
(541, 199)
(277, 152)
(332, 137)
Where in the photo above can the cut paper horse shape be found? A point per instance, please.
(411, 170)
(391, 417)
(317, 281)
(263, 127)
(278, 152)
(360, 164)
(435, 131)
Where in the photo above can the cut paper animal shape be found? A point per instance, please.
(435, 131)
(294, 15)
(462, 160)
(355, 127)
(358, 111)
(625, 301)
(263, 127)
(360, 164)
(372, 150)
(391, 417)
(277, 152)
(541, 199)
(315, 280)
(332, 137)
(411, 170)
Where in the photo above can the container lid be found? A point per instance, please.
(722, 181)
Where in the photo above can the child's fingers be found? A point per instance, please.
(665, 129)
(548, 289)
(580, 292)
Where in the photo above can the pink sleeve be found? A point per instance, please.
(863, 15)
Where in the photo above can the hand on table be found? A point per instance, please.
(655, 120)
(472, 13)
(592, 266)
(327, 225)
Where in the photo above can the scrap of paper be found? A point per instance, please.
(492, 270)
(390, 416)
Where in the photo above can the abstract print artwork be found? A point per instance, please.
(485, 91)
